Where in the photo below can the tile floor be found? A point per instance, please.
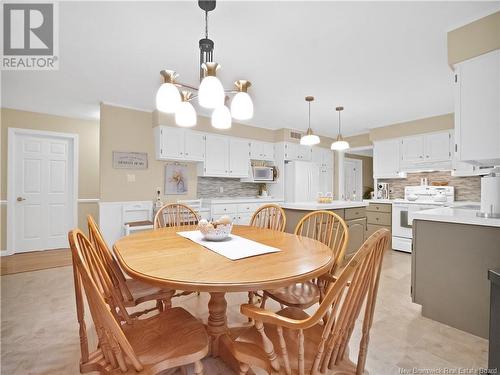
(39, 332)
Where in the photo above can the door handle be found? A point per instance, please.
(20, 199)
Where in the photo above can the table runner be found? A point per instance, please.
(234, 248)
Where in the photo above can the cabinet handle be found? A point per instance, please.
(186, 154)
(377, 208)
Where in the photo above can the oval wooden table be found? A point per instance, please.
(162, 257)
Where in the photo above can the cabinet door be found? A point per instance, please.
(172, 142)
(239, 157)
(326, 180)
(317, 155)
(304, 152)
(438, 146)
(194, 146)
(244, 219)
(386, 158)
(412, 149)
(327, 157)
(268, 151)
(357, 229)
(291, 151)
(477, 113)
(216, 155)
(256, 150)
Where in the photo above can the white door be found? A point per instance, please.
(42, 192)
(194, 146)
(353, 179)
(412, 149)
(172, 142)
(216, 155)
(438, 147)
(239, 157)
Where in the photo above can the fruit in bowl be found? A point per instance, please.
(217, 230)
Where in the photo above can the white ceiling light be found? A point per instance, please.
(221, 117)
(185, 115)
(242, 105)
(309, 139)
(339, 144)
(210, 94)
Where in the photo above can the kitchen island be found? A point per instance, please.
(353, 212)
(453, 250)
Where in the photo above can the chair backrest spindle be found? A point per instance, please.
(175, 215)
(269, 216)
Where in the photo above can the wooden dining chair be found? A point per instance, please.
(292, 342)
(269, 216)
(132, 292)
(170, 339)
(328, 228)
(175, 215)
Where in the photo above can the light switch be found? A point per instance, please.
(130, 177)
(221, 189)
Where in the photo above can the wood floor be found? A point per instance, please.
(39, 331)
(34, 261)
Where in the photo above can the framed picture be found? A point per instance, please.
(130, 160)
(176, 179)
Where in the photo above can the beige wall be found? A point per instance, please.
(424, 125)
(88, 137)
(124, 129)
(360, 140)
(474, 39)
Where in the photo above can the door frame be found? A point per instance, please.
(11, 206)
(359, 172)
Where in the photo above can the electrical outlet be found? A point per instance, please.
(221, 189)
(130, 177)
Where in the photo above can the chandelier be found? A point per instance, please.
(175, 97)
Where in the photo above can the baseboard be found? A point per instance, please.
(4, 253)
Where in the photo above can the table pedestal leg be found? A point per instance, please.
(217, 320)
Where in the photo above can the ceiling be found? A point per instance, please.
(386, 62)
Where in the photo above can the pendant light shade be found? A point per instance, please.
(211, 93)
(221, 117)
(309, 139)
(168, 96)
(185, 114)
(242, 105)
(339, 144)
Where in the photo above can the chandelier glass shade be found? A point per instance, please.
(310, 139)
(210, 94)
(221, 117)
(339, 144)
(185, 114)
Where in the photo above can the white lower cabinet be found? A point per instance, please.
(240, 213)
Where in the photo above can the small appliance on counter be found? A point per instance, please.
(382, 190)
(490, 194)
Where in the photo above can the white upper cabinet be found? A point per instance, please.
(477, 109)
(322, 156)
(262, 150)
(179, 144)
(294, 151)
(412, 149)
(425, 149)
(239, 157)
(194, 145)
(386, 158)
(216, 155)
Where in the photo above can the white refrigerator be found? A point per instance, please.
(301, 181)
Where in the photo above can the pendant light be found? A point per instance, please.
(340, 144)
(309, 139)
(185, 114)
(168, 96)
(242, 105)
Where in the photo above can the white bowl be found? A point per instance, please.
(219, 233)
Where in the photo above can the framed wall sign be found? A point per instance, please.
(130, 160)
(176, 178)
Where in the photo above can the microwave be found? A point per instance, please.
(263, 173)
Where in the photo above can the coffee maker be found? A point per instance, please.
(382, 190)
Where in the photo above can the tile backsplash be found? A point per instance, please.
(209, 187)
(466, 188)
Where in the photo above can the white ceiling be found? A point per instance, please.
(386, 62)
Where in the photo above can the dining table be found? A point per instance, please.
(164, 258)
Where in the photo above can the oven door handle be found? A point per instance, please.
(403, 219)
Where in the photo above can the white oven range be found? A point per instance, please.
(417, 198)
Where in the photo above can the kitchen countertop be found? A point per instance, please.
(453, 215)
(386, 201)
(314, 206)
(239, 200)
